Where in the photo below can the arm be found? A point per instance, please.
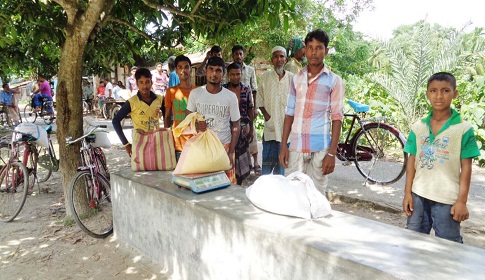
(167, 120)
(284, 153)
(265, 113)
(201, 69)
(328, 163)
(407, 203)
(459, 209)
(235, 126)
(122, 113)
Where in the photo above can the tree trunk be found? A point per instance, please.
(80, 24)
(69, 108)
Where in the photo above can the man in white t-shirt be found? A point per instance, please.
(220, 108)
(108, 92)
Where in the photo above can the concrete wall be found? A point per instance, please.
(221, 235)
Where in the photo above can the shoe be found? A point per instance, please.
(257, 170)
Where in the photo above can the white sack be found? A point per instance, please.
(294, 195)
(35, 131)
(102, 139)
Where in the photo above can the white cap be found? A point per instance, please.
(278, 48)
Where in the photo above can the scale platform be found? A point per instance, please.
(204, 182)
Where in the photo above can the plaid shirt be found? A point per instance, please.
(314, 104)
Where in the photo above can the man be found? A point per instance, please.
(220, 108)
(108, 91)
(249, 78)
(245, 98)
(7, 97)
(214, 51)
(313, 115)
(131, 82)
(173, 79)
(272, 98)
(160, 80)
(176, 101)
(44, 91)
(296, 50)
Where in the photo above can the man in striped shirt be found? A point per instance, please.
(314, 115)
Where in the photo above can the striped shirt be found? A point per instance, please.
(314, 104)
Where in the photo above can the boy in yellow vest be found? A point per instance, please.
(144, 108)
(441, 148)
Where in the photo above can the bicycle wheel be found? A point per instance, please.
(105, 111)
(115, 111)
(44, 164)
(29, 114)
(90, 204)
(379, 153)
(14, 181)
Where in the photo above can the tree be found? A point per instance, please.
(77, 28)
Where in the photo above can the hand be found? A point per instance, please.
(231, 156)
(128, 149)
(284, 156)
(244, 130)
(407, 204)
(250, 134)
(328, 164)
(200, 126)
(459, 212)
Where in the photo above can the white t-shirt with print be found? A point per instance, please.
(219, 110)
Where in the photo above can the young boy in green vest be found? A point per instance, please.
(441, 147)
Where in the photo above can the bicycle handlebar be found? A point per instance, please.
(69, 140)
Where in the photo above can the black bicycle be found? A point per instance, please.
(31, 115)
(376, 148)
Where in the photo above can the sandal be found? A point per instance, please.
(257, 170)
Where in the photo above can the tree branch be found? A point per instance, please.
(165, 7)
(131, 26)
(196, 7)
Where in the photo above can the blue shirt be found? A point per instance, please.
(173, 79)
(6, 97)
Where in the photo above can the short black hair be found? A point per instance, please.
(233, 65)
(4, 85)
(215, 61)
(236, 48)
(143, 72)
(319, 35)
(181, 58)
(215, 49)
(443, 76)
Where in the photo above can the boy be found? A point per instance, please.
(441, 148)
(313, 115)
(176, 100)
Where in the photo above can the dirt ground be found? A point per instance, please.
(42, 244)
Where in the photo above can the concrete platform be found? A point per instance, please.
(221, 235)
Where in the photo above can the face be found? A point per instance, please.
(235, 76)
(159, 67)
(238, 56)
(300, 54)
(315, 52)
(144, 85)
(440, 94)
(214, 74)
(133, 72)
(278, 58)
(183, 70)
(217, 54)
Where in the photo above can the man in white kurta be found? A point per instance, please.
(274, 88)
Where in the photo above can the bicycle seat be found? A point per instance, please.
(48, 129)
(358, 107)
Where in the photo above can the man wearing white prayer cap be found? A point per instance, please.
(274, 88)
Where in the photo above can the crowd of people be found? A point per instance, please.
(303, 107)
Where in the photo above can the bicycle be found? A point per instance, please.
(31, 115)
(5, 119)
(40, 161)
(89, 193)
(376, 148)
(14, 182)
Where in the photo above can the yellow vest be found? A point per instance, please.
(145, 117)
